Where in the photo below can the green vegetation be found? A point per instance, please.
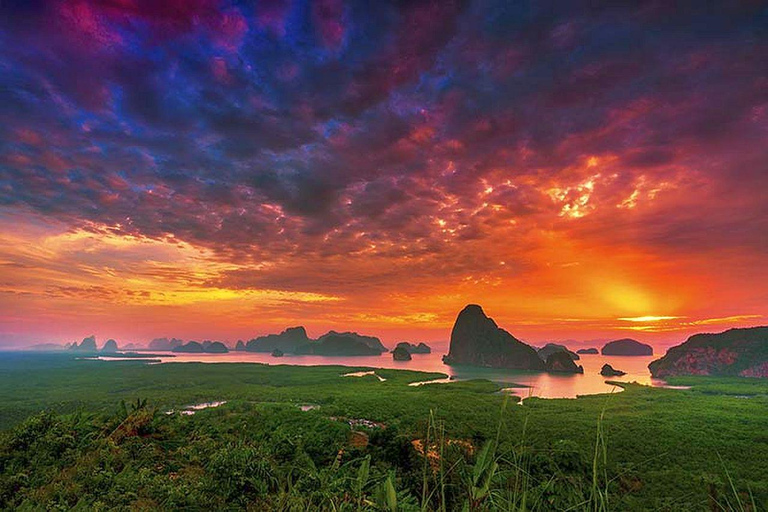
(738, 386)
(103, 441)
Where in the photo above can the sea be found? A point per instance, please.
(522, 383)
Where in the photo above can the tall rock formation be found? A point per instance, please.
(477, 340)
(287, 341)
(735, 352)
(110, 347)
(87, 345)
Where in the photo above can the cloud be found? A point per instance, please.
(372, 148)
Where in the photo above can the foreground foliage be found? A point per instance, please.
(96, 446)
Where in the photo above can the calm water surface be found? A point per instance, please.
(541, 384)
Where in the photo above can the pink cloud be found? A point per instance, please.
(83, 22)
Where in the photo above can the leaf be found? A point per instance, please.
(362, 474)
(391, 495)
(481, 463)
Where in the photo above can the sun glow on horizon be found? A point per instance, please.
(649, 318)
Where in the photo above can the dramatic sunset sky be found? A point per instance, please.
(218, 170)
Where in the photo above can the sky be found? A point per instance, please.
(219, 170)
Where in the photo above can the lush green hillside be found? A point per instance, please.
(656, 448)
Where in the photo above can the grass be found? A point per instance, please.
(642, 449)
(736, 386)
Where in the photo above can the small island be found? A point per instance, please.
(294, 340)
(421, 348)
(87, 345)
(551, 348)
(215, 347)
(561, 362)
(287, 341)
(192, 347)
(590, 351)
(609, 371)
(277, 353)
(110, 347)
(626, 347)
(210, 347)
(343, 344)
(401, 353)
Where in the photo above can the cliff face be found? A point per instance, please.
(477, 340)
(736, 352)
(287, 341)
(626, 347)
